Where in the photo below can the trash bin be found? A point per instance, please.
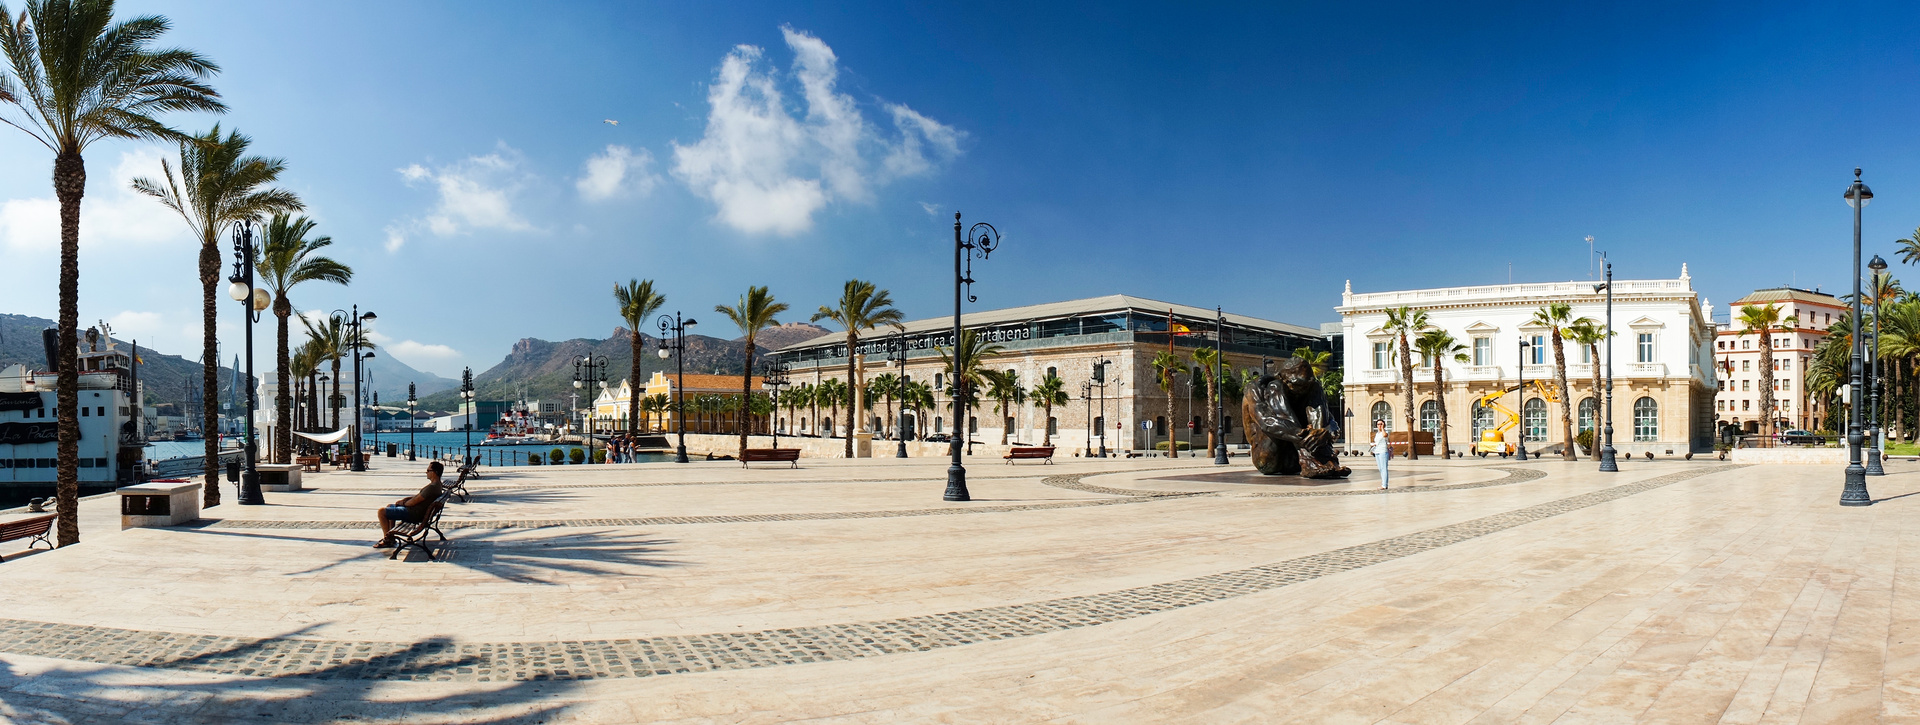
(393, 450)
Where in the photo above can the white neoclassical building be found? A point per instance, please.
(1662, 356)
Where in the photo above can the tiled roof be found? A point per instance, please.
(1057, 310)
(1788, 294)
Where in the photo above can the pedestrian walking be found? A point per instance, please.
(1381, 451)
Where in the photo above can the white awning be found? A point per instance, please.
(326, 438)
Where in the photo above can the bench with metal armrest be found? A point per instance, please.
(788, 455)
(36, 528)
(1029, 452)
(407, 533)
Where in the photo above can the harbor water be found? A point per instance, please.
(427, 444)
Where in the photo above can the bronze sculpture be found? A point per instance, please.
(1290, 425)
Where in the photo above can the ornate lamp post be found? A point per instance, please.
(466, 398)
(775, 379)
(1219, 372)
(589, 371)
(252, 300)
(1100, 381)
(1521, 453)
(1607, 462)
(355, 343)
(1086, 398)
(897, 354)
(678, 348)
(1855, 491)
(1879, 267)
(981, 240)
(412, 420)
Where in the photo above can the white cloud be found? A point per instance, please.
(617, 171)
(111, 213)
(768, 171)
(932, 208)
(420, 354)
(476, 193)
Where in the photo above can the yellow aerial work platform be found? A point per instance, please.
(1494, 440)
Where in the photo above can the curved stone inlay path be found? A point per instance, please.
(665, 655)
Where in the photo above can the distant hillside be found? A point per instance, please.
(166, 377)
(543, 370)
(774, 338)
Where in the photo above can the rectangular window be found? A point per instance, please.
(1053, 426)
(1382, 360)
(1586, 355)
(1746, 385)
(1644, 349)
(1746, 366)
(1786, 363)
(1483, 351)
(1539, 347)
(1748, 405)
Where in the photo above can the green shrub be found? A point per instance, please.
(577, 456)
(1162, 445)
(1585, 439)
(555, 456)
(599, 455)
(533, 459)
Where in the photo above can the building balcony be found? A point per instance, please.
(1379, 376)
(1645, 370)
(1480, 372)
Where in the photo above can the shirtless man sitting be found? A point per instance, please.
(411, 509)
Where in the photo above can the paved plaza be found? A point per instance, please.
(1141, 590)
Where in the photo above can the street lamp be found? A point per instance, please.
(1521, 453)
(412, 420)
(1086, 398)
(1100, 381)
(590, 370)
(980, 240)
(1855, 491)
(376, 422)
(678, 328)
(1879, 267)
(1220, 406)
(897, 354)
(1607, 462)
(356, 343)
(775, 379)
(467, 412)
(252, 300)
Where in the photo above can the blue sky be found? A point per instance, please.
(1248, 157)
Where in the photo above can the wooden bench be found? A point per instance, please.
(36, 528)
(789, 455)
(1028, 452)
(308, 463)
(459, 485)
(407, 534)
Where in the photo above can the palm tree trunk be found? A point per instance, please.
(1766, 381)
(1599, 405)
(1172, 449)
(1567, 452)
(852, 340)
(633, 383)
(210, 372)
(1440, 399)
(282, 404)
(746, 396)
(1406, 388)
(69, 184)
(1046, 430)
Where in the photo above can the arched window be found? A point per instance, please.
(939, 381)
(938, 424)
(1482, 420)
(1382, 411)
(1589, 412)
(1430, 416)
(1053, 426)
(1533, 418)
(1646, 420)
(1053, 372)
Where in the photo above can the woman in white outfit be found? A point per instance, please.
(1381, 450)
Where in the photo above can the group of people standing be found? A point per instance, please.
(623, 449)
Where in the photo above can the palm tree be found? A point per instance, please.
(637, 302)
(1051, 391)
(1003, 386)
(76, 77)
(1910, 248)
(1762, 321)
(1557, 317)
(218, 185)
(1205, 358)
(1438, 346)
(333, 341)
(1589, 334)
(754, 312)
(1165, 367)
(918, 397)
(1404, 322)
(303, 365)
(829, 393)
(887, 385)
(287, 260)
(802, 397)
(965, 384)
(862, 307)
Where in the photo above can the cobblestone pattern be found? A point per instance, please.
(678, 520)
(440, 660)
(1514, 475)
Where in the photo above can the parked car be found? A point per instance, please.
(1799, 437)
(938, 438)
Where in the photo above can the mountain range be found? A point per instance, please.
(538, 369)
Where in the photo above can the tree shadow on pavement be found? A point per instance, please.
(192, 690)
(507, 554)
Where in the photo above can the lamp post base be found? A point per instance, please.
(1519, 455)
(680, 454)
(1855, 494)
(250, 494)
(900, 451)
(1607, 462)
(1873, 456)
(956, 484)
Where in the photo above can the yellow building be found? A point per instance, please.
(611, 408)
